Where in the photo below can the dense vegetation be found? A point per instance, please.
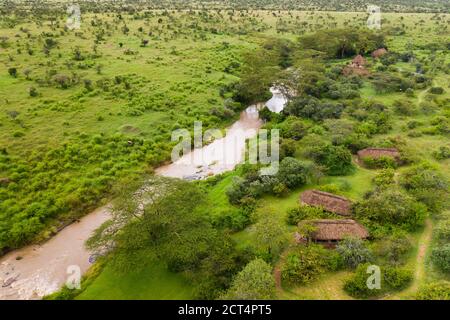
(87, 112)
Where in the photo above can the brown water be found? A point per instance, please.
(38, 270)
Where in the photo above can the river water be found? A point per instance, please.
(38, 270)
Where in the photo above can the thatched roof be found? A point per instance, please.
(328, 201)
(378, 153)
(329, 230)
(359, 60)
(379, 52)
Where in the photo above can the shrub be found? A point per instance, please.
(442, 153)
(296, 215)
(434, 291)
(254, 282)
(436, 90)
(391, 206)
(394, 249)
(442, 230)
(441, 257)
(392, 279)
(381, 162)
(12, 72)
(33, 92)
(336, 159)
(353, 252)
(304, 264)
(427, 185)
(396, 278)
(384, 178)
(404, 107)
(357, 287)
(292, 172)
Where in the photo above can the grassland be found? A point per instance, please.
(67, 147)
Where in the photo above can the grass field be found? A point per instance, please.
(152, 283)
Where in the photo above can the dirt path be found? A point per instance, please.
(419, 274)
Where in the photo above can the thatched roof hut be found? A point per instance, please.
(335, 230)
(377, 153)
(379, 53)
(328, 201)
(356, 67)
(358, 61)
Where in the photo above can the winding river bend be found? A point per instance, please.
(38, 270)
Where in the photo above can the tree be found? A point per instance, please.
(434, 291)
(427, 185)
(336, 159)
(270, 236)
(304, 264)
(12, 72)
(353, 252)
(292, 172)
(391, 206)
(254, 282)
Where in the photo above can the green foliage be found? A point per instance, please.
(254, 282)
(12, 72)
(353, 252)
(341, 43)
(394, 249)
(392, 279)
(304, 264)
(434, 291)
(441, 257)
(384, 162)
(391, 207)
(336, 159)
(442, 153)
(312, 108)
(427, 185)
(294, 216)
(292, 172)
(442, 230)
(172, 231)
(270, 235)
(384, 178)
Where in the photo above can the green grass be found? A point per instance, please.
(152, 283)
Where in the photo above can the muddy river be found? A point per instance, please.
(38, 270)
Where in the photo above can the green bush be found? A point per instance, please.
(384, 178)
(381, 162)
(357, 287)
(392, 279)
(436, 90)
(434, 291)
(254, 282)
(353, 252)
(442, 230)
(391, 206)
(300, 213)
(427, 184)
(442, 153)
(394, 249)
(304, 264)
(396, 278)
(336, 159)
(441, 257)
